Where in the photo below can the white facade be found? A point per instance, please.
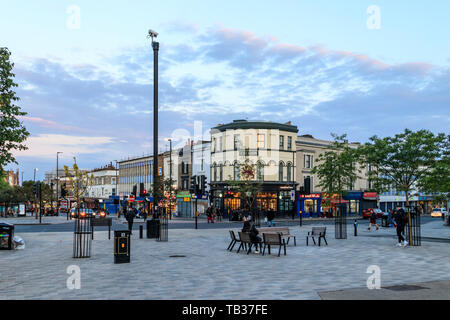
(104, 184)
(201, 159)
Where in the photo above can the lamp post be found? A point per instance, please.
(155, 45)
(117, 191)
(170, 179)
(57, 185)
(34, 180)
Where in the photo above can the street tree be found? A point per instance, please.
(79, 182)
(337, 168)
(12, 131)
(246, 185)
(406, 159)
(437, 181)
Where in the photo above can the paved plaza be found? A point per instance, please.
(209, 271)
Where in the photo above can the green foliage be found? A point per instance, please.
(337, 168)
(12, 131)
(405, 159)
(246, 186)
(79, 181)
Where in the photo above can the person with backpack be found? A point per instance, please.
(373, 220)
(270, 217)
(401, 219)
(130, 215)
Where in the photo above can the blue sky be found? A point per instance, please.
(88, 90)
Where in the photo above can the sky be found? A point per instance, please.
(85, 71)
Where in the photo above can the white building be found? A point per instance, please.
(104, 184)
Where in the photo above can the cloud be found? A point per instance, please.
(220, 74)
(46, 145)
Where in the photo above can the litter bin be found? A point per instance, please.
(122, 246)
(6, 236)
(153, 227)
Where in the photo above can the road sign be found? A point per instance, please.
(292, 195)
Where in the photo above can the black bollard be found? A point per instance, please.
(141, 231)
(356, 227)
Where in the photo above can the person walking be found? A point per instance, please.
(130, 215)
(270, 217)
(208, 214)
(400, 219)
(373, 220)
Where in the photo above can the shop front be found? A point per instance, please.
(271, 196)
(310, 204)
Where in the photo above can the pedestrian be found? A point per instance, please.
(144, 214)
(401, 218)
(130, 215)
(253, 233)
(270, 217)
(373, 220)
(208, 214)
(310, 210)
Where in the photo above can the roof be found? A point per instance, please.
(244, 124)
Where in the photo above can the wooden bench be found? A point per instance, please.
(101, 222)
(319, 232)
(273, 239)
(245, 240)
(284, 233)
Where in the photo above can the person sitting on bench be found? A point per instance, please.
(253, 233)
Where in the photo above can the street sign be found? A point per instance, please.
(292, 195)
(131, 199)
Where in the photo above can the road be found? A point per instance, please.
(189, 224)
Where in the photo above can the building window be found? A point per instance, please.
(236, 172)
(221, 172)
(308, 161)
(215, 173)
(289, 143)
(237, 142)
(280, 172)
(214, 145)
(261, 140)
(260, 172)
(220, 144)
(289, 169)
(281, 142)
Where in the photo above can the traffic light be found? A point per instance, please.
(141, 190)
(203, 184)
(63, 192)
(35, 189)
(193, 185)
(134, 190)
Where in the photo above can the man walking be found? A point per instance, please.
(130, 218)
(400, 219)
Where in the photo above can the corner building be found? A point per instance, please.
(268, 145)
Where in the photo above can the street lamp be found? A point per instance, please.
(155, 45)
(57, 185)
(35, 169)
(117, 191)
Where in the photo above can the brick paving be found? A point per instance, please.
(209, 271)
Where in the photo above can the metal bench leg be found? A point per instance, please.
(284, 248)
(319, 240)
(288, 240)
(264, 250)
(229, 246)
(325, 240)
(269, 249)
(240, 246)
(314, 240)
(306, 241)
(295, 241)
(249, 248)
(231, 249)
(279, 250)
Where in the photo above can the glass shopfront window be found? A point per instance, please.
(266, 201)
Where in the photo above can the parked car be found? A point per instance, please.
(438, 212)
(368, 212)
(83, 213)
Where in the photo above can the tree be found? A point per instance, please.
(336, 168)
(12, 131)
(247, 187)
(437, 181)
(10, 196)
(406, 159)
(79, 181)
